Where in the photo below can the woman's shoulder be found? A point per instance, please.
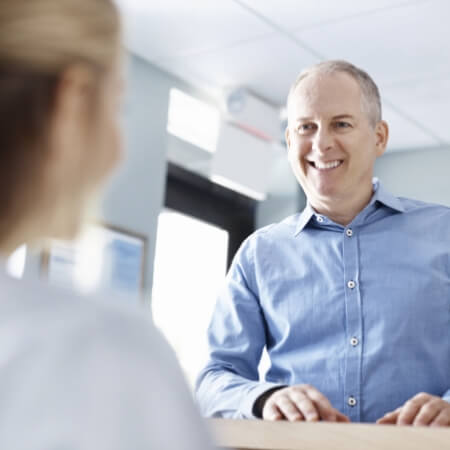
(43, 312)
(82, 361)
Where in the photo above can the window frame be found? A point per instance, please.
(196, 196)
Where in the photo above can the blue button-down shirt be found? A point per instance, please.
(361, 312)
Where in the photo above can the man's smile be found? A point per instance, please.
(328, 165)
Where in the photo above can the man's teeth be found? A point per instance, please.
(327, 165)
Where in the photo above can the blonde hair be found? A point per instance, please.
(47, 35)
(39, 40)
(370, 98)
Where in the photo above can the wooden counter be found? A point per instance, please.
(263, 435)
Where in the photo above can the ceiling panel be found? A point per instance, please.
(295, 15)
(266, 66)
(403, 135)
(164, 29)
(428, 102)
(395, 45)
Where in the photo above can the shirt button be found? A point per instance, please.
(319, 219)
(351, 284)
(354, 341)
(349, 232)
(351, 401)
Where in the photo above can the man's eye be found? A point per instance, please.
(342, 124)
(304, 128)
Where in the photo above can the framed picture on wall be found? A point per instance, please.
(104, 258)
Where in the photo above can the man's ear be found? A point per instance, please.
(382, 136)
(288, 137)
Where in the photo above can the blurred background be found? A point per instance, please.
(204, 121)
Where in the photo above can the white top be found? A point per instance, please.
(82, 374)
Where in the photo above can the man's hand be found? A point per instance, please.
(302, 402)
(421, 410)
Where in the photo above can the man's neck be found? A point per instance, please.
(344, 210)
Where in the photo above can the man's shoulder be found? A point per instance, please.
(278, 231)
(285, 227)
(268, 240)
(414, 206)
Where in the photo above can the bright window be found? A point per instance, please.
(15, 265)
(190, 266)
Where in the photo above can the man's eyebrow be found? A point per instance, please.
(343, 116)
(339, 116)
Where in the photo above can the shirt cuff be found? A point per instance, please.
(446, 396)
(248, 402)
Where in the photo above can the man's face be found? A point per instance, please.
(332, 145)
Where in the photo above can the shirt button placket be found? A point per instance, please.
(352, 385)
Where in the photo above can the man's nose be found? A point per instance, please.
(322, 141)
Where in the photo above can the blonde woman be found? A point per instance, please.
(74, 374)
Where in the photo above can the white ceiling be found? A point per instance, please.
(263, 44)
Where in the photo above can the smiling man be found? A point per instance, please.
(351, 296)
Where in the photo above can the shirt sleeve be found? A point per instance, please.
(446, 396)
(229, 384)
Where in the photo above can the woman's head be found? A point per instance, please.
(59, 95)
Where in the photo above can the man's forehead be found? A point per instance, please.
(334, 94)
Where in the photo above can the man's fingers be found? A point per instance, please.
(322, 404)
(389, 418)
(427, 413)
(301, 402)
(305, 405)
(410, 410)
(290, 410)
(442, 419)
(421, 410)
(271, 412)
(341, 417)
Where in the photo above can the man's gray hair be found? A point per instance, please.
(370, 98)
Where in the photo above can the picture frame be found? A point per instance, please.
(104, 258)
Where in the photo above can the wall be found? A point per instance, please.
(423, 175)
(135, 196)
(285, 197)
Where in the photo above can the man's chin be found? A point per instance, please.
(325, 193)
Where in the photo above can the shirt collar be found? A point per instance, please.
(304, 218)
(386, 198)
(380, 195)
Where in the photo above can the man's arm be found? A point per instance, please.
(229, 384)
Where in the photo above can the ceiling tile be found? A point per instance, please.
(295, 15)
(404, 135)
(395, 45)
(168, 28)
(266, 66)
(427, 102)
